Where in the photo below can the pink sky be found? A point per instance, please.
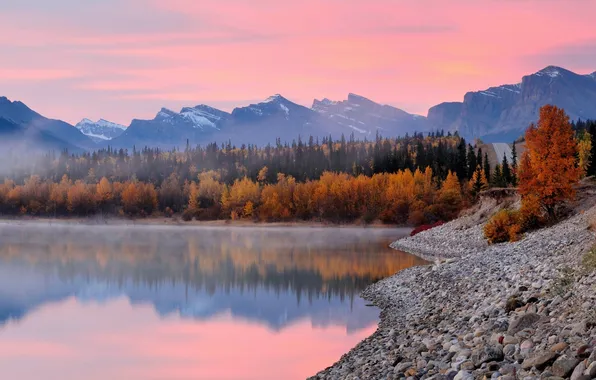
(124, 59)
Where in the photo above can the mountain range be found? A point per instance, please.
(496, 114)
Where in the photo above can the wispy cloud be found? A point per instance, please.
(20, 75)
(124, 59)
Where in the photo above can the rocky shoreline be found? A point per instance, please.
(523, 310)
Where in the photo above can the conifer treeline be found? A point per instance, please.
(405, 180)
(301, 160)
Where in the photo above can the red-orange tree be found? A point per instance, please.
(548, 168)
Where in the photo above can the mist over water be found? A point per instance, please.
(206, 294)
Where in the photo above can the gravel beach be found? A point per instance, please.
(523, 310)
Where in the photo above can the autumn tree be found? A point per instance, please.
(58, 202)
(277, 201)
(139, 199)
(204, 197)
(104, 194)
(80, 198)
(262, 176)
(548, 168)
(450, 196)
(235, 198)
(584, 151)
(171, 193)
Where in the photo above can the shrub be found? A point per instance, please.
(504, 226)
(589, 260)
(425, 227)
(531, 213)
(562, 284)
(188, 215)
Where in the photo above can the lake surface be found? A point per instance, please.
(151, 302)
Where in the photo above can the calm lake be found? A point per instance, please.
(150, 302)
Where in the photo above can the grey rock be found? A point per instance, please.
(578, 372)
(464, 375)
(489, 354)
(509, 350)
(540, 360)
(564, 366)
(591, 371)
(401, 367)
(522, 322)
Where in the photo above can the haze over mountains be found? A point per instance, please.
(497, 114)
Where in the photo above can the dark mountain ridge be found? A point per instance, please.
(497, 114)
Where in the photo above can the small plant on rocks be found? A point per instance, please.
(589, 260)
(563, 283)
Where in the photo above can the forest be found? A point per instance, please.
(418, 179)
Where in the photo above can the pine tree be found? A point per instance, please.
(591, 128)
(506, 171)
(497, 178)
(513, 165)
(461, 164)
(478, 182)
(471, 161)
(487, 166)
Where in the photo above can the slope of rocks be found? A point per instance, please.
(524, 310)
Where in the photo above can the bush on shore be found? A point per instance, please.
(505, 225)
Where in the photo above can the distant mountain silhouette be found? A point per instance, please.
(502, 113)
(24, 128)
(497, 114)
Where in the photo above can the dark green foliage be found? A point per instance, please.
(303, 161)
(487, 170)
(472, 162)
(514, 165)
(506, 171)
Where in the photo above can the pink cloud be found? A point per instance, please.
(34, 75)
(409, 54)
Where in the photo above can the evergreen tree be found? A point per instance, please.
(478, 182)
(472, 164)
(506, 171)
(591, 127)
(498, 177)
(514, 165)
(487, 166)
(461, 164)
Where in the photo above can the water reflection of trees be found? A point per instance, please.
(307, 263)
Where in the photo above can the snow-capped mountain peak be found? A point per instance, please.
(363, 116)
(199, 117)
(101, 130)
(274, 98)
(551, 71)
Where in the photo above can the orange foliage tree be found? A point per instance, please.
(548, 168)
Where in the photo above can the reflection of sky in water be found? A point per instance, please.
(23, 289)
(74, 292)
